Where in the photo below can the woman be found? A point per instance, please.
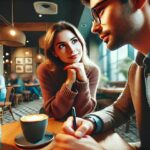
(69, 78)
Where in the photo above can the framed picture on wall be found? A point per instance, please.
(19, 60)
(28, 60)
(28, 68)
(19, 69)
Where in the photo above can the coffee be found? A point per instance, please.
(34, 117)
(34, 126)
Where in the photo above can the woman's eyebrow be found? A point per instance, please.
(73, 38)
(60, 43)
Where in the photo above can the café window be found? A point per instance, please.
(114, 65)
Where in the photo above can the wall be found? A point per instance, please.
(21, 53)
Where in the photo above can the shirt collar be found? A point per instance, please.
(141, 60)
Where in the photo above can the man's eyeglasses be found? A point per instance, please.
(95, 12)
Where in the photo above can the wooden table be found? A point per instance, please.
(14, 86)
(110, 90)
(109, 140)
(31, 84)
(11, 130)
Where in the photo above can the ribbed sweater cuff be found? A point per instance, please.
(67, 93)
(82, 85)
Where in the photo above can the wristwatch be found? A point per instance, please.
(97, 121)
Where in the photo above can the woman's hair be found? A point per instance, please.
(87, 2)
(50, 39)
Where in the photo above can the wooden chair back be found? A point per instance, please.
(8, 93)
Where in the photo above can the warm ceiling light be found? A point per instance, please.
(40, 15)
(7, 54)
(10, 36)
(39, 56)
(13, 32)
(27, 53)
(6, 60)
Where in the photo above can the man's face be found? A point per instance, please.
(115, 25)
(13, 76)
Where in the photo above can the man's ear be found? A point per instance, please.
(138, 4)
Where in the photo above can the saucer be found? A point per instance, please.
(23, 143)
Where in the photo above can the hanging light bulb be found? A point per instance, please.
(7, 60)
(39, 57)
(10, 36)
(27, 53)
(7, 54)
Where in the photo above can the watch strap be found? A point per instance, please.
(97, 121)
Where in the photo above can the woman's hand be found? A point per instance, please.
(80, 71)
(71, 77)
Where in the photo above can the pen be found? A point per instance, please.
(74, 118)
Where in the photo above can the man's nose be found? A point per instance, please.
(96, 28)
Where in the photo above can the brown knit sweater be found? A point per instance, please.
(58, 99)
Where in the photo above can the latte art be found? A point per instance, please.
(34, 117)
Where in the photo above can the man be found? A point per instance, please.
(15, 80)
(118, 22)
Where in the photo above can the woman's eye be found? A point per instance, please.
(61, 46)
(74, 41)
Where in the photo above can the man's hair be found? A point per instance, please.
(87, 2)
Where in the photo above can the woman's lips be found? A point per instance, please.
(73, 56)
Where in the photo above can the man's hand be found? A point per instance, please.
(68, 142)
(84, 127)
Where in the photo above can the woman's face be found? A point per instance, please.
(67, 47)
